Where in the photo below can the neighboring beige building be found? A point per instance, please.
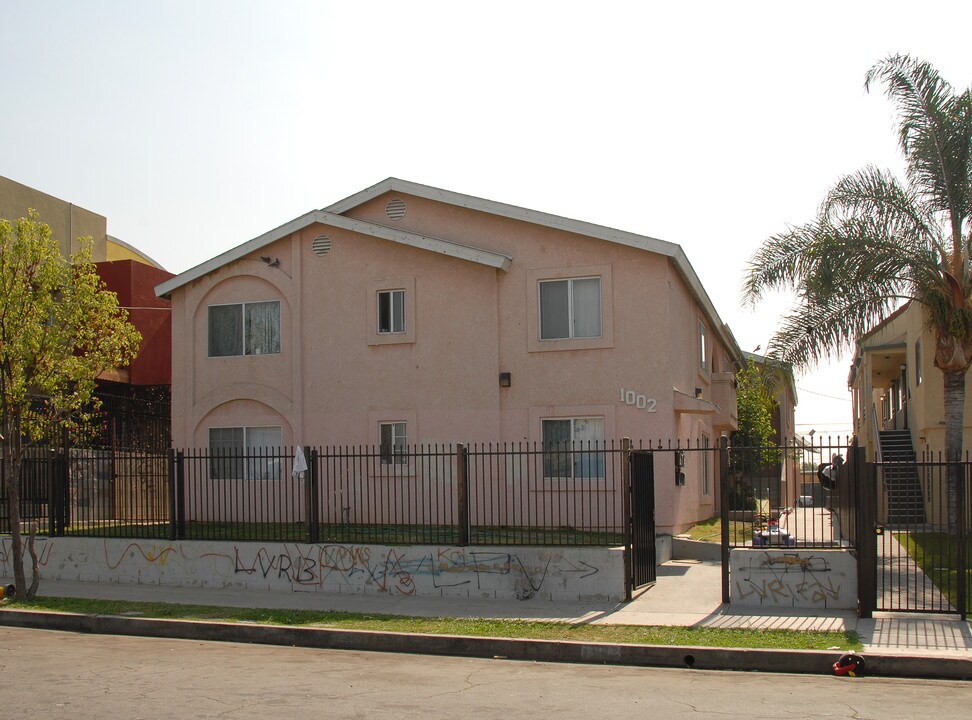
(896, 386)
(410, 314)
(68, 222)
(129, 273)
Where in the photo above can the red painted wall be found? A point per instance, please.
(134, 283)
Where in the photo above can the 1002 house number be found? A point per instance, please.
(630, 397)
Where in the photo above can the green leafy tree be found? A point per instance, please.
(877, 243)
(755, 403)
(753, 449)
(59, 329)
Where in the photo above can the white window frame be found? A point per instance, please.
(590, 454)
(243, 336)
(570, 308)
(703, 347)
(399, 439)
(397, 325)
(259, 467)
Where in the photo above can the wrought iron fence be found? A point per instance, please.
(796, 494)
(923, 544)
(569, 494)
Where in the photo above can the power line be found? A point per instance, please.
(831, 397)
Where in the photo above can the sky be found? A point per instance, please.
(196, 126)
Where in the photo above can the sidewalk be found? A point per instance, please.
(687, 593)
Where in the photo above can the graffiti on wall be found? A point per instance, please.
(41, 545)
(786, 579)
(395, 570)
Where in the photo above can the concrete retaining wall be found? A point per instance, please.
(551, 573)
(793, 578)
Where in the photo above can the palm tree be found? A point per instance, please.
(877, 243)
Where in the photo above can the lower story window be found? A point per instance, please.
(245, 453)
(573, 448)
(394, 443)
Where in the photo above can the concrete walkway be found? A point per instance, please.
(687, 594)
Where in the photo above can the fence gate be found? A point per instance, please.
(920, 563)
(642, 518)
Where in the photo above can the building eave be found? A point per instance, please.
(324, 217)
(641, 242)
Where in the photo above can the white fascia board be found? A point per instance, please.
(578, 227)
(424, 242)
(322, 217)
(163, 289)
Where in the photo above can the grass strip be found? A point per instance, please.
(936, 553)
(476, 627)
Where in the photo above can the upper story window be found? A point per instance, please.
(703, 348)
(245, 453)
(391, 311)
(570, 308)
(251, 328)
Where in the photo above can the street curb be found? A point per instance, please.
(814, 662)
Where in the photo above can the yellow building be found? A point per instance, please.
(899, 415)
(896, 386)
(68, 222)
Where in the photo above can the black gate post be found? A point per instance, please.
(312, 497)
(626, 512)
(963, 559)
(865, 475)
(462, 493)
(172, 494)
(180, 495)
(724, 495)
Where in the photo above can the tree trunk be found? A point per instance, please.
(11, 475)
(954, 426)
(34, 563)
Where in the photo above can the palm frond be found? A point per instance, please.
(876, 194)
(934, 134)
(813, 332)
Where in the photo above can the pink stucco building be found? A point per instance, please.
(406, 314)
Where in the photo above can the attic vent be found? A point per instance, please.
(395, 209)
(321, 245)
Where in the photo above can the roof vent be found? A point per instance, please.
(395, 209)
(321, 245)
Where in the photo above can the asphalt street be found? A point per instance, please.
(48, 674)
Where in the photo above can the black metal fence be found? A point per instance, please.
(519, 494)
(923, 535)
(793, 495)
(909, 528)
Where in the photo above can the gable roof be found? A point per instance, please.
(514, 212)
(324, 217)
(333, 215)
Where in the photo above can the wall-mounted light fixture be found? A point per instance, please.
(505, 379)
(698, 392)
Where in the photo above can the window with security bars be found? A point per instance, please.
(394, 443)
(245, 453)
(573, 448)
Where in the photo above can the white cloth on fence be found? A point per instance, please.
(300, 462)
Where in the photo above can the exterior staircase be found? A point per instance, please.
(906, 504)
